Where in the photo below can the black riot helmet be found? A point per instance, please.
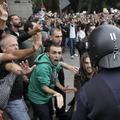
(104, 46)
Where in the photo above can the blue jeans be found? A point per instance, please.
(66, 42)
(72, 45)
(17, 109)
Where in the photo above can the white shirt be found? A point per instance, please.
(80, 35)
(72, 31)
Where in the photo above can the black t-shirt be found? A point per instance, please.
(17, 90)
(3, 71)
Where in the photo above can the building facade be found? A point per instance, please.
(22, 8)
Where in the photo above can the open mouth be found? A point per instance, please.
(56, 60)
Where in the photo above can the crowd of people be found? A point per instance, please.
(31, 36)
(33, 49)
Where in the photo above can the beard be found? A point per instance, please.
(18, 25)
(89, 71)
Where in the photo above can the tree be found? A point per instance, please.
(39, 3)
(89, 5)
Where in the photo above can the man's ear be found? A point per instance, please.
(11, 23)
(3, 49)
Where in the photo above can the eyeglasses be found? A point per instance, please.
(58, 36)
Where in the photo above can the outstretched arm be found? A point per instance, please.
(18, 54)
(66, 89)
(58, 96)
(69, 67)
(13, 67)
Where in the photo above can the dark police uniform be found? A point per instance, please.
(99, 98)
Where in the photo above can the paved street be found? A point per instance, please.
(69, 75)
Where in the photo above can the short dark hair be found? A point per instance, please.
(28, 25)
(53, 30)
(10, 19)
(51, 43)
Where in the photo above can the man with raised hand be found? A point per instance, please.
(42, 82)
(9, 44)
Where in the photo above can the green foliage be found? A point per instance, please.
(98, 5)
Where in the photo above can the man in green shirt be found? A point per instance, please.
(42, 82)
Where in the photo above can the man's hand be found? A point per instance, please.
(59, 98)
(68, 89)
(74, 69)
(36, 28)
(26, 68)
(3, 11)
(69, 67)
(3, 15)
(37, 41)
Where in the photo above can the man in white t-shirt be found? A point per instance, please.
(72, 39)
